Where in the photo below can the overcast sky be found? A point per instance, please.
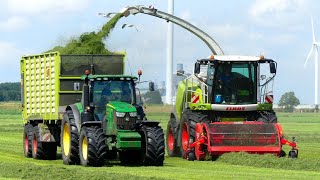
(281, 29)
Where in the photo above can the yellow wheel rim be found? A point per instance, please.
(84, 148)
(66, 139)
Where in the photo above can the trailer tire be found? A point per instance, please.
(37, 148)
(69, 139)
(152, 146)
(188, 129)
(93, 146)
(172, 139)
(27, 140)
(267, 117)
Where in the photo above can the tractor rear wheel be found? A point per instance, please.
(172, 139)
(152, 146)
(93, 146)
(188, 129)
(69, 139)
(27, 140)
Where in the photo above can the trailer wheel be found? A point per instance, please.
(188, 129)
(69, 139)
(93, 146)
(152, 146)
(172, 139)
(42, 150)
(27, 140)
(37, 148)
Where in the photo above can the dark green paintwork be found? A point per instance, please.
(128, 140)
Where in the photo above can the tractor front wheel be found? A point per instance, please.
(69, 139)
(93, 146)
(27, 140)
(152, 146)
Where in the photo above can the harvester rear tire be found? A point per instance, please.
(190, 118)
(93, 148)
(27, 140)
(268, 117)
(152, 146)
(172, 139)
(69, 139)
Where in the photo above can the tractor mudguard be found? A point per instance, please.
(45, 134)
(76, 114)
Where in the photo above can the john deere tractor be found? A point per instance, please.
(226, 106)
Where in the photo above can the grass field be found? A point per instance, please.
(305, 127)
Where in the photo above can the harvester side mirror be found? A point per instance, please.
(151, 86)
(196, 68)
(273, 68)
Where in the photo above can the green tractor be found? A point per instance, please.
(93, 117)
(108, 122)
(226, 106)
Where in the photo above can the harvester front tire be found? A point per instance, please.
(69, 139)
(27, 140)
(172, 139)
(152, 146)
(93, 146)
(188, 126)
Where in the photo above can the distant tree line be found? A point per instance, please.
(10, 91)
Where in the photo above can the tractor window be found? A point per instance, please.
(113, 90)
(236, 83)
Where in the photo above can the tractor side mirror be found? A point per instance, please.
(273, 68)
(151, 86)
(196, 68)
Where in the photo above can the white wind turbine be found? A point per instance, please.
(314, 47)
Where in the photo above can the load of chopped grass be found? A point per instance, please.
(270, 161)
(89, 43)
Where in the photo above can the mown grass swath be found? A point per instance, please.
(230, 166)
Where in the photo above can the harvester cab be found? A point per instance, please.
(226, 106)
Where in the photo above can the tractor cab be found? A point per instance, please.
(236, 80)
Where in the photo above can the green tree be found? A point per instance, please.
(288, 101)
(152, 97)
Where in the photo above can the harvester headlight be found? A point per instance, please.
(120, 114)
(133, 114)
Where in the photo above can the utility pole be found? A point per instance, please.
(169, 63)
